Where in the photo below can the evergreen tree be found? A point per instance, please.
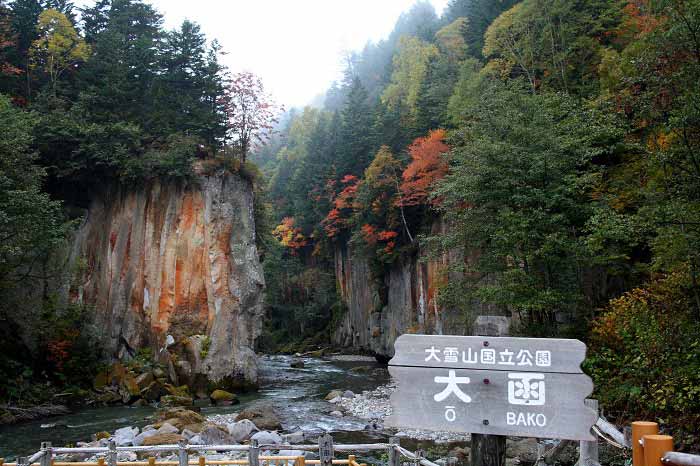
(354, 152)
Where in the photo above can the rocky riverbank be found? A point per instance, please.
(374, 406)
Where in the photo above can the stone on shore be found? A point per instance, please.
(167, 428)
(163, 439)
(125, 436)
(139, 439)
(215, 435)
(241, 430)
(268, 438)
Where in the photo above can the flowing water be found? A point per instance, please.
(296, 394)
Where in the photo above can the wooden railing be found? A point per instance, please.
(46, 456)
(651, 449)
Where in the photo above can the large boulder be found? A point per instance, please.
(268, 438)
(167, 428)
(139, 439)
(223, 398)
(216, 435)
(163, 439)
(264, 417)
(125, 436)
(241, 430)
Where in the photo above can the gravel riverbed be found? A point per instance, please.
(374, 406)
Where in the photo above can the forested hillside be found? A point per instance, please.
(558, 141)
(103, 109)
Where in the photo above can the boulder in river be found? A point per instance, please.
(297, 364)
(264, 417)
(333, 394)
(348, 394)
(223, 398)
(336, 414)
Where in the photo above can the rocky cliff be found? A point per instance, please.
(173, 267)
(404, 301)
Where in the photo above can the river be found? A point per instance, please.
(296, 394)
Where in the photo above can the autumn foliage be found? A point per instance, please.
(343, 203)
(289, 235)
(426, 167)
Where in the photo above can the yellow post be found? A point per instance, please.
(351, 460)
(639, 430)
(202, 461)
(300, 461)
(655, 447)
(151, 461)
(100, 462)
(2, 460)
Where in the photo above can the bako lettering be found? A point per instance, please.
(526, 419)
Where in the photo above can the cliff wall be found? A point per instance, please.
(404, 302)
(174, 267)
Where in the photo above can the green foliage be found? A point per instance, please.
(31, 223)
(645, 357)
(520, 166)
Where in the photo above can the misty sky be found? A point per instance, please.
(296, 46)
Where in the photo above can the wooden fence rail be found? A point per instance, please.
(46, 456)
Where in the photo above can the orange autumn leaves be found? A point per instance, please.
(389, 187)
(384, 179)
(426, 167)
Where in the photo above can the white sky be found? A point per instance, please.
(295, 46)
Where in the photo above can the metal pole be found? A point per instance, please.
(112, 453)
(394, 455)
(254, 453)
(46, 459)
(182, 456)
(325, 450)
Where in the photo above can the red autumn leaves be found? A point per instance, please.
(409, 188)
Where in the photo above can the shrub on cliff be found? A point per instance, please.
(645, 356)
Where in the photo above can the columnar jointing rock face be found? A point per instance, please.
(405, 302)
(178, 260)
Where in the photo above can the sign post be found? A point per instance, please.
(525, 387)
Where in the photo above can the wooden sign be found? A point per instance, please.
(527, 387)
(490, 353)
